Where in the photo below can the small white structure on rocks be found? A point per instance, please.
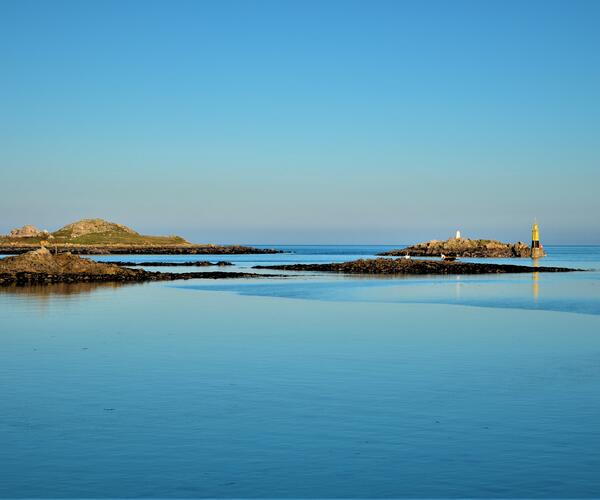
(457, 235)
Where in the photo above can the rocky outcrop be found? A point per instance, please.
(27, 231)
(92, 226)
(42, 267)
(42, 261)
(464, 247)
(413, 266)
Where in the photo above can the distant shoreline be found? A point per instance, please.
(17, 249)
(101, 237)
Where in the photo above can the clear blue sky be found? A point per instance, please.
(305, 121)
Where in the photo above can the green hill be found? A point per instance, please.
(95, 232)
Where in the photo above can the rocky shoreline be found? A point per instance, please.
(414, 266)
(17, 249)
(42, 267)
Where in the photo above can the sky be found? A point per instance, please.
(290, 122)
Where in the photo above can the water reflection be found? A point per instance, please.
(44, 298)
(457, 288)
(536, 285)
(577, 293)
(59, 289)
(158, 392)
(536, 280)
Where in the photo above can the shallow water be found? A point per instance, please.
(308, 386)
(565, 292)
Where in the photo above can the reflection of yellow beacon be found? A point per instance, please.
(537, 249)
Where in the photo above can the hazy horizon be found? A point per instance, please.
(303, 122)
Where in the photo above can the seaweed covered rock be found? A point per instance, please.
(413, 266)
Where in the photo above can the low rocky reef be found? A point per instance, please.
(464, 247)
(42, 267)
(413, 266)
(20, 248)
(140, 276)
(198, 263)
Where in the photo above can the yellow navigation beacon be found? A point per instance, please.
(537, 249)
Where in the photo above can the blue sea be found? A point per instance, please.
(305, 386)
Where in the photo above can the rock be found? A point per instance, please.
(43, 261)
(413, 266)
(194, 263)
(464, 247)
(42, 267)
(27, 231)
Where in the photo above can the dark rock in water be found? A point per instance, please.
(413, 266)
(464, 247)
(200, 263)
(139, 276)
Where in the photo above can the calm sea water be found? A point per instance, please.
(306, 386)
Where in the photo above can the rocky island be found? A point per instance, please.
(42, 267)
(413, 266)
(464, 247)
(97, 237)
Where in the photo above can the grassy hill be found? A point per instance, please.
(98, 237)
(95, 232)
